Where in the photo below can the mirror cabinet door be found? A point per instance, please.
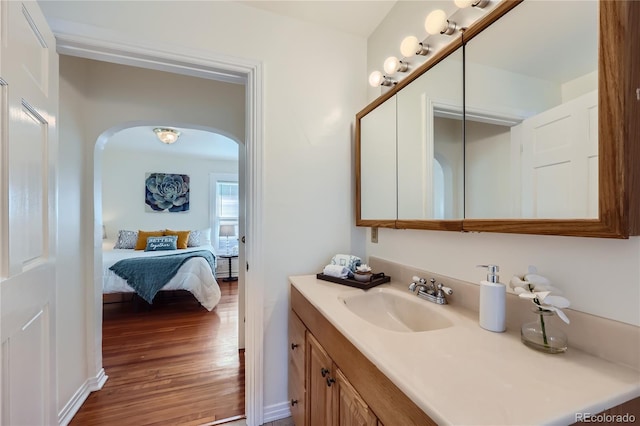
(531, 140)
(430, 143)
(378, 163)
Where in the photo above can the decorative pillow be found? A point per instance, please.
(126, 239)
(205, 236)
(194, 239)
(161, 243)
(199, 237)
(141, 243)
(183, 237)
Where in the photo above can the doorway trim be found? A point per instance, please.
(210, 66)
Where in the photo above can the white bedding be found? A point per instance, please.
(194, 275)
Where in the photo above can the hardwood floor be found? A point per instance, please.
(173, 363)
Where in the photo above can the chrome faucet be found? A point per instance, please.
(432, 292)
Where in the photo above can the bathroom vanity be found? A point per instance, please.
(346, 367)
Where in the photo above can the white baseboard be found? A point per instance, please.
(278, 411)
(71, 408)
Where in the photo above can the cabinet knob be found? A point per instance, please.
(294, 345)
(294, 402)
(330, 381)
(324, 372)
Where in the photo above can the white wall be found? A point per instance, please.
(579, 86)
(123, 204)
(72, 277)
(488, 171)
(599, 276)
(313, 85)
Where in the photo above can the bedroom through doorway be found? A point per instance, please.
(127, 156)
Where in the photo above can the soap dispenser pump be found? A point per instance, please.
(492, 300)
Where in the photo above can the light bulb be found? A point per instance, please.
(167, 136)
(463, 3)
(436, 22)
(391, 65)
(376, 78)
(409, 46)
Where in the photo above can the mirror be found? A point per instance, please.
(377, 157)
(550, 188)
(430, 143)
(531, 140)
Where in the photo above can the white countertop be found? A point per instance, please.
(465, 375)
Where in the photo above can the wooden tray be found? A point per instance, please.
(376, 279)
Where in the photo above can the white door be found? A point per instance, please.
(28, 110)
(560, 161)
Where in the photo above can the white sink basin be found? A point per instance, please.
(393, 310)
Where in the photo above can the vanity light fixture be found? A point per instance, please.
(481, 4)
(393, 65)
(167, 135)
(437, 23)
(411, 46)
(376, 79)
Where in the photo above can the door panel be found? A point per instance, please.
(297, 351)
(352, 410)
(319, 393)
(29, 80)
(559, 148)
(26, 356)
(28, 195)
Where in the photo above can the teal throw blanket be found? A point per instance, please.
(147, 275)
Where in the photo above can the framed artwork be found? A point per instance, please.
(166, 192)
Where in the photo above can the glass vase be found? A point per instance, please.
(542, 336)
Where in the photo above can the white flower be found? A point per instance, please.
(538, 289)
(363, 268)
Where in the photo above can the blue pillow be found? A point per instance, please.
(168, 242)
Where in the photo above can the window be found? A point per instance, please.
(227, 208)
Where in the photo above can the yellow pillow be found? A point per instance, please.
(141, 244)
(183, 237)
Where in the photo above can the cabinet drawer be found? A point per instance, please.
(297, 345)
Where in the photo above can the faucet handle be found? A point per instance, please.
(447, 290)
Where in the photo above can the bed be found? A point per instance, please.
(194, 275)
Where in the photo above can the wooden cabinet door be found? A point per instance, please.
(297, 347)
(351, 408)
(319, 385)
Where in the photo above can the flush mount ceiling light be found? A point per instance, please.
(376, 79)
(437, 23)
(481, 4)
(167, 135)
(393, 65)
(411, 46)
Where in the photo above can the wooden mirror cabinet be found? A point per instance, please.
(618, 138)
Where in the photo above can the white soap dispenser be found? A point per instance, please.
(492, 300)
